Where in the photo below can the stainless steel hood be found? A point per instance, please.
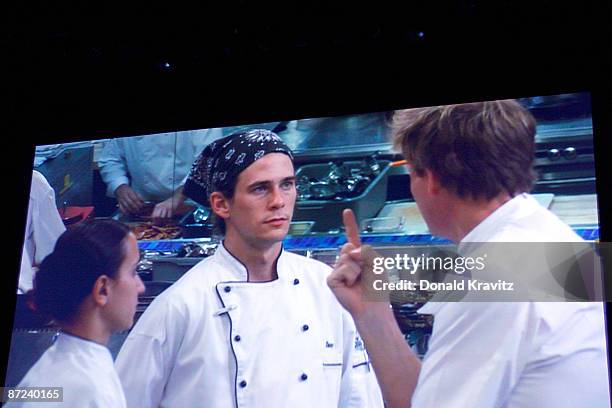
(341, 136)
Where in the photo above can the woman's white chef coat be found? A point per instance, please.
(85, 371)
(214, 339)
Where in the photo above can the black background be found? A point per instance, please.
(80, 72)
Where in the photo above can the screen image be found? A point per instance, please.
(203, 326)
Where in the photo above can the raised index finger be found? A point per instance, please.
(351, 228)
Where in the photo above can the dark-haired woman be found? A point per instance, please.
(89, 286)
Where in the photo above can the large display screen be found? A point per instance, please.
(346, 161)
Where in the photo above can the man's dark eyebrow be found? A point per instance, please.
(258, 183)
(264, 182)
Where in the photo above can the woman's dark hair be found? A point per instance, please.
(81, 255)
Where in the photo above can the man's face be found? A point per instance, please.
(420, 188)
(125, 288)
(262, 206)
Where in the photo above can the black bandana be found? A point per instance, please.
(220, 163)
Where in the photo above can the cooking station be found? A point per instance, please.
(347, 162)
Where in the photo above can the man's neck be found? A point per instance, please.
(467, 214)
(260, 261)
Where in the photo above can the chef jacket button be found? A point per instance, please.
(304, 377)
(237, 337)
(305, 327)
(296, 281)
(227, 289)
(243, 383)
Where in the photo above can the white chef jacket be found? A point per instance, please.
(153, 165)
(214, 339)
(516, 354)
(83, 368)
(43, 227)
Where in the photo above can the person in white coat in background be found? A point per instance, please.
(470, 169)
(253, 325)
(43, 226)
(152, 168)
(89, 287)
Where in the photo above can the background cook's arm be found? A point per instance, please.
(170, 206)
(113, 166)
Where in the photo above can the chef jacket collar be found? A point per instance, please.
(65, 340)
(509, 211)
(239, 270)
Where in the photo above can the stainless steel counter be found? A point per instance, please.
(574, 210)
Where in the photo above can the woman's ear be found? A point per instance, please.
(219, 205)
(100, 291)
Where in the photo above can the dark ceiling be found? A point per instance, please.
(173, 66)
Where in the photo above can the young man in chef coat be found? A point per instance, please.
(253, 325)
(470, 170)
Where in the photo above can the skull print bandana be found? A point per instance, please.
(220, 163)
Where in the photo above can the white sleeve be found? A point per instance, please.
(358, 387)
(87, 399)
(113, 166)
(47, 224)
(147, 356)
(82, 398)
(26, 272)
(476, 354)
